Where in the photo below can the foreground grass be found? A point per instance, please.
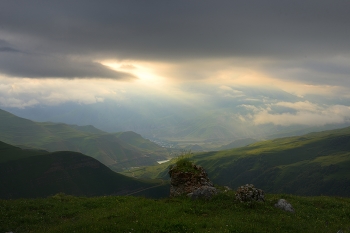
(62, 213)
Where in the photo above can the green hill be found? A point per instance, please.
(313, 164)
(137, 140)
(238, 143)
(118, 151)
(30, 176)
(9, 152)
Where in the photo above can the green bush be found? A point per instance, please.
(184, 164)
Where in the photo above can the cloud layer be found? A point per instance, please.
(300, 113)
(280, 62)
(56, 31)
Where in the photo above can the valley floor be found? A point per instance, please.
(62, 213)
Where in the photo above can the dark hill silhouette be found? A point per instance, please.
(65, 171)
(9, 152)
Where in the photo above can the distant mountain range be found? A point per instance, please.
(312, 164)
(154, 121)
(117, 150)
(36, 173)
(177, 123)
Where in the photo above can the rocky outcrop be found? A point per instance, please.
(204, 192)
(192, 181)
(247, 193)
(284, 205)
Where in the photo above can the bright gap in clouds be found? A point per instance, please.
(175, 77)
(156, 81)
(146, 72)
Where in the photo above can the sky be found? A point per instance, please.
(272, 62)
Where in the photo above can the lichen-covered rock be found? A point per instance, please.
(186, 181)
(284, 205)
(204, 192)
(247, 193)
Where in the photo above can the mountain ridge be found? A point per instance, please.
(107, 148)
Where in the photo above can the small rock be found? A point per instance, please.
(248, 193)
(284, 205)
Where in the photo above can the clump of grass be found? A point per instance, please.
(184, 164)
(185, 156)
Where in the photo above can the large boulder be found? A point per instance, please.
(190, 179)
(204, 192)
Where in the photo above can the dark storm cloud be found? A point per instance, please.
(323, 71)
(21, 64)
(178, 29)
(8, 50)
(15, 62)
(6, 47)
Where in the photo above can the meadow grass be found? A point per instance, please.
(62, 213)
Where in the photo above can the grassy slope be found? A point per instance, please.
(133, 214)
(238, 143)
(107, 148)
(137, 140)
(313, 164)
(65, 171)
